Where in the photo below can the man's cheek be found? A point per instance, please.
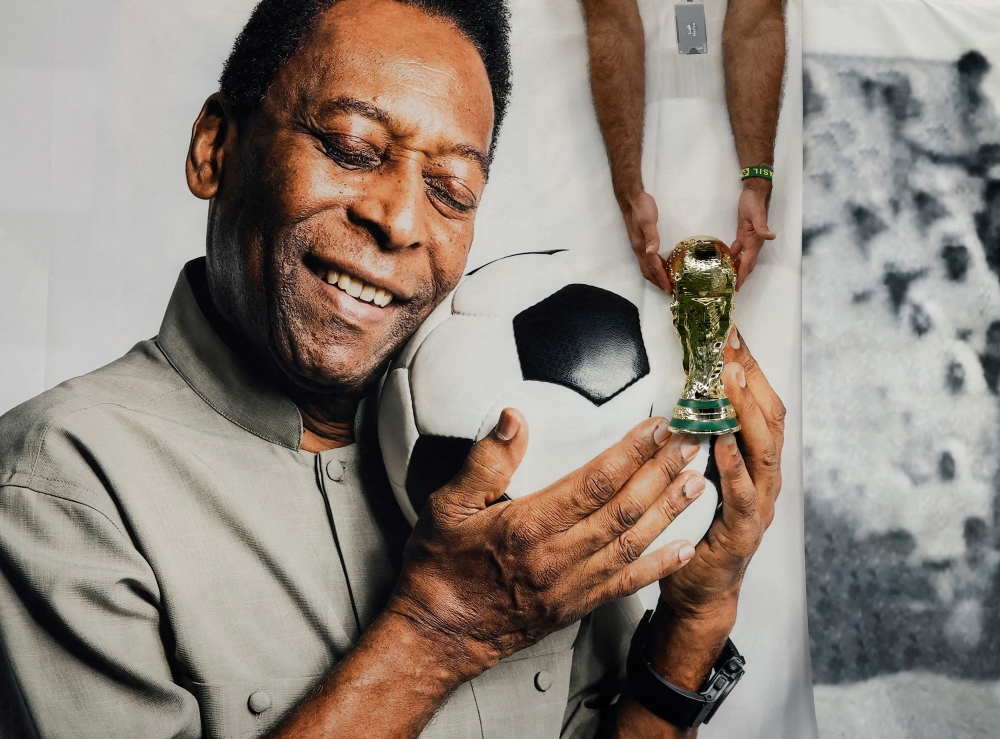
(301, 183)
(449, 267)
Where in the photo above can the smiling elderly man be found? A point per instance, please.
(193, 543)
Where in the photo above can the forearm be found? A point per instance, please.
(391, 684)
(753, 51)
(617, 79)
(682, 651)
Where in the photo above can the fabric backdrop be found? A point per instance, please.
(96, 103)
(901, 335)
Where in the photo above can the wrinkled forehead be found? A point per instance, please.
(421, 69)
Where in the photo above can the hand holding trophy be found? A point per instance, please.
(704, 286)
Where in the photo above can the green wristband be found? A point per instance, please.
(766, 173)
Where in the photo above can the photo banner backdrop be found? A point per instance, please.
(92, 240)
(901, 360)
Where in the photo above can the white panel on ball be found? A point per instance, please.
(459, 371)
(439, 314)
(509, 285)
(564, 432)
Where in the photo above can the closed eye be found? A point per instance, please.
(451, 194)
(351, 152)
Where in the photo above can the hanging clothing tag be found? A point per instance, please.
(692, 38)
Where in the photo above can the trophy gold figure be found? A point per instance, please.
(704, 286)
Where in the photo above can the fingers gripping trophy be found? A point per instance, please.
(704, 287)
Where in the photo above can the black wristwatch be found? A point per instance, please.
(682, 708)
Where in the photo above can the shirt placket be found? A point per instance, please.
(360, 543)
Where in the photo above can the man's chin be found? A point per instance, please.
(337, 374)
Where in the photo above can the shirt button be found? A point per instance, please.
(336, 470)
(259, 702)
(543, 680)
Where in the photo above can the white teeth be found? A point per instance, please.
(356, 288)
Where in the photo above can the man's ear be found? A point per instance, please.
(212, 137)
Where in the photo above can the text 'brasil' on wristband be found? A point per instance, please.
(758, 171)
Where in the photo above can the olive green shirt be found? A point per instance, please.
(173, 565)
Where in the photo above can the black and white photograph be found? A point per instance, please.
(901, 322)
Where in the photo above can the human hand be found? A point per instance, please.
(484, 579)
(751, 227)
(706, 590)
(641, 215)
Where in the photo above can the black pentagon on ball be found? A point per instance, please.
(584, 338)
(434, 462)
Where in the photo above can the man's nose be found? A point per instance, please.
(394, 208)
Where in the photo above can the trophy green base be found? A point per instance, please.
(707, 417)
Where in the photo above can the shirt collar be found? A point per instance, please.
(215, 372)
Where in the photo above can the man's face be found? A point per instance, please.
(364, 168)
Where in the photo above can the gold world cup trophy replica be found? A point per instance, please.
(704, 285)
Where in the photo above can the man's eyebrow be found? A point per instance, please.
(374, 113)
(467, 151)
(358, 107)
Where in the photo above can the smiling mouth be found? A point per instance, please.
(354, 287)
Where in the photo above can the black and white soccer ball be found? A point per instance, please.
(529, 332)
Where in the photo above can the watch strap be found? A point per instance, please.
(680, 707)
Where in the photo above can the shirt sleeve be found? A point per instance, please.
(598, 670)
(82, 627)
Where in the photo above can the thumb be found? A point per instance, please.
(650, 236)
(761, 229)
(491, 463)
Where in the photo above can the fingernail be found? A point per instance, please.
(694, 487)
(661, 433)
(686, 552)
(690, 447)
(741, 377)
(507, 426)
(651, 248)
(728, 442)
(734, 339)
